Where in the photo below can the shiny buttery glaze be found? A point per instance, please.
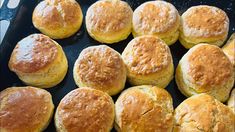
(24, 109)
(33, 53)
(146, 55)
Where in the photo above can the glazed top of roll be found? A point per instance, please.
(202, 112)
(107, 16)
(100, 66)
(208, 66)
(54, 14)
(205, 21)
(25, 109)
(86, 109)
(33, 53)
(155, 17)
(146, 55)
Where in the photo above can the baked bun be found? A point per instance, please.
(109, 21)
(25, 109)
(203, 113)
(100, 67)
(229, 49)
(85, 110)
(39, 61)
(158, 18)
(58, 18)
(231, 100)
(205, 69)
(149, 62)
(144, 109)
(203, 24)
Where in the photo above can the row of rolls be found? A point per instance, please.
(111, 21)
(205, 73)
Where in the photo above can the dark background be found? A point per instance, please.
(21, 26)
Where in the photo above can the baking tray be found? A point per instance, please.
(21, 26)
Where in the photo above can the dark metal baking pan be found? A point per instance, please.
(21, 26)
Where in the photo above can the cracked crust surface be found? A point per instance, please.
(203, 113)
(102, 68)
(85, 110)
(144, 109)
(33, 53)
(146, 55)
(53, 17)
(25, 109)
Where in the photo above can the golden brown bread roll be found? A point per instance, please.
(149, 62)
(25, 109)
(109, 21)
(57, 18)
(158, 18)
(39, 61)
(229, 49)
(205, 69)
(203, 24)
(100, 67)
(203, 113)
(85, 110)
(144, 109)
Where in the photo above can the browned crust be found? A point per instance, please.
(109, 16)
(203, 113)
(33, 53)
(100, 66)
(147, 54)
(24, 109)
(86, 109)
(54, 14)
(209, 66)
(145, 109)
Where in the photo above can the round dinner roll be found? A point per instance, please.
(57, 18)
(25, 109)
(39, 61)
(144, 109)
(229, 49)
(149, 62)
(85, 110)
(205, 69)
(231, 100)
(109, 21)
(203, 113)
(100, 67)
(203, 24)
(158, 18)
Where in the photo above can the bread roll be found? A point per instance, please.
(85, 110)
(109, 21)
(57, 19)
(203, 24)
(39, 61)
(149, 62)
(144, 109)
(25, 109)
(205, 69)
